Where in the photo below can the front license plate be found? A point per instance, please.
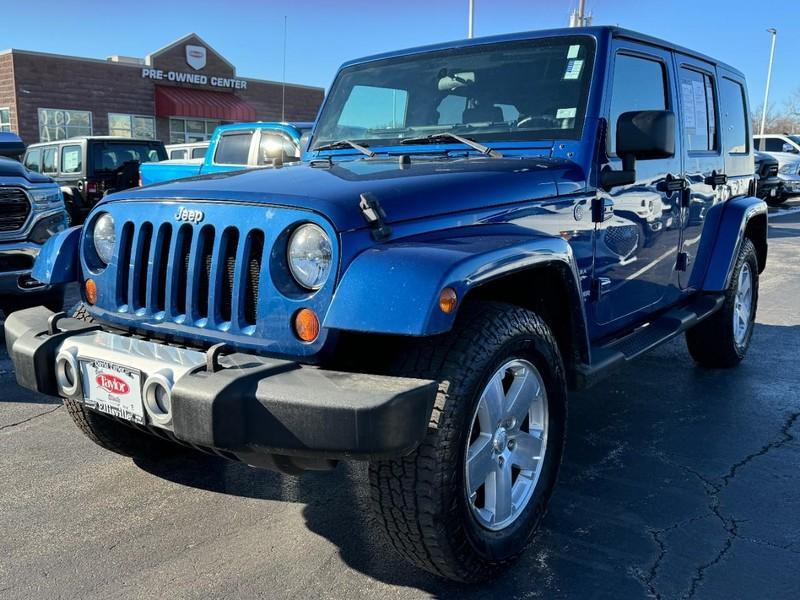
(113, 389)
(773, 192)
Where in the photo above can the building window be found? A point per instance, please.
(56, 124)
(136, 126)
(190, 130)
(5, 119)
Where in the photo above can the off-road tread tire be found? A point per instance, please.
(407, 493)
(111, 434)
(711, 342)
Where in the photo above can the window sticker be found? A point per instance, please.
(565, 113)
(573, 51)
(70, 161)
(687, 100)
(573, 70)
(700, 115)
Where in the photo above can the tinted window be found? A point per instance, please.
(71, 159)
(34, 159)
(49, 160)
(772, 144)
(732, 106)
(638, 84)
(177, 154)
(110, 156)
(697, 106)
(233, 148)
(199, 152)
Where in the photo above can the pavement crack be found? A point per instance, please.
(786, 436)
(36, 416)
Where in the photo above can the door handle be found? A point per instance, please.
(716, 179)
(672, 184)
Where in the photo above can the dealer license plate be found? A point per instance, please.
(113, 389)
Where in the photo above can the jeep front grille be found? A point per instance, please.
(14, 209)
(190, 274)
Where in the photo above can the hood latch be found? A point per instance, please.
(374, 216)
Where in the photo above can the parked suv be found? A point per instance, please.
(423, 289)
(31, 211)
(785, 148)
(87, 168)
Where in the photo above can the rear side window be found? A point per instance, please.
(71, 159)
(34, 160)
(233, 148)
(199, 152)
(639, 84)
(698, 107)
(177, 154)
(733, 108)
(49, 160)
(770, 144)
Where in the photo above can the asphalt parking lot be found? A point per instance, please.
(677, 483)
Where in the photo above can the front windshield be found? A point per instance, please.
(530, 90)
(110, 156)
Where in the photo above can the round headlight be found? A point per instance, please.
(104, 237)
(309, 256)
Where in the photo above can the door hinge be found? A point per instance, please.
(600, 287)
(672, 184)
(682, 262)
(716, 179)
(602, 209)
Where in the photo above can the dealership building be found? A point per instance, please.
(179, 93)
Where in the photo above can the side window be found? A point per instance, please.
(233, 148)
(772, 144)
(71, 159)
(177, 154)
(274, 145)
(638, 84)
(34, 160)
(732, 107)
(199, 152)
(49, 160)
(699, 114)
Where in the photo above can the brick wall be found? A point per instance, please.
(48, 81)
(7, 96)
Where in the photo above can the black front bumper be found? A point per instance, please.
(252, 406)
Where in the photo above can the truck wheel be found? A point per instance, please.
(776, 200)
(111, 434)
(467, 501)
(721, 341)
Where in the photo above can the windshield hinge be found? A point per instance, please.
(374, 216)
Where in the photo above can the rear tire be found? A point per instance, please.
(111, 434)
(423, 500)
(722, 340)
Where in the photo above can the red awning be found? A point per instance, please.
(183, 102)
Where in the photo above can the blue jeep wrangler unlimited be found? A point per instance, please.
(31, 210)
(476, 227)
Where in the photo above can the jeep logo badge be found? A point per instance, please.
(189, 216)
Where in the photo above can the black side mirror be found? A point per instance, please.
(642, 135)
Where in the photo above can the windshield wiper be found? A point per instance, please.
(346, 144)
(445, 135)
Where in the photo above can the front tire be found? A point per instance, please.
(467, 501)
(722, 340)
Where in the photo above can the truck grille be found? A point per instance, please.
(189, 273)
(768, 169)
(14, 209)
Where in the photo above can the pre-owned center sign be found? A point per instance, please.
(195, 78)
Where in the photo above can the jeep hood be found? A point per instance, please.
(427, 187)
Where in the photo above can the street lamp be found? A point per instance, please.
(471, 25)
(774, 33)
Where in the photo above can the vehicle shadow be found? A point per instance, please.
(643, 448)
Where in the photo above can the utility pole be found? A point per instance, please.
(774, 33)
(283, 83)
(471, 25)
(578, 17)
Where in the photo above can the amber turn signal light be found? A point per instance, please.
(448, 300)
(306, 325)
(91, 291)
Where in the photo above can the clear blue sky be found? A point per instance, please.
(325, 33)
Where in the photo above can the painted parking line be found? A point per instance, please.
(784, 212)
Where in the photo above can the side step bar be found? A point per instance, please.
(615, 353)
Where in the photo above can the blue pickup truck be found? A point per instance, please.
(234, 147)
(477, 227)
(31, 211)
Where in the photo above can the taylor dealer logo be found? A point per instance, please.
(112, 384)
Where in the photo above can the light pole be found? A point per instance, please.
(471, 25)
(774, 33)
